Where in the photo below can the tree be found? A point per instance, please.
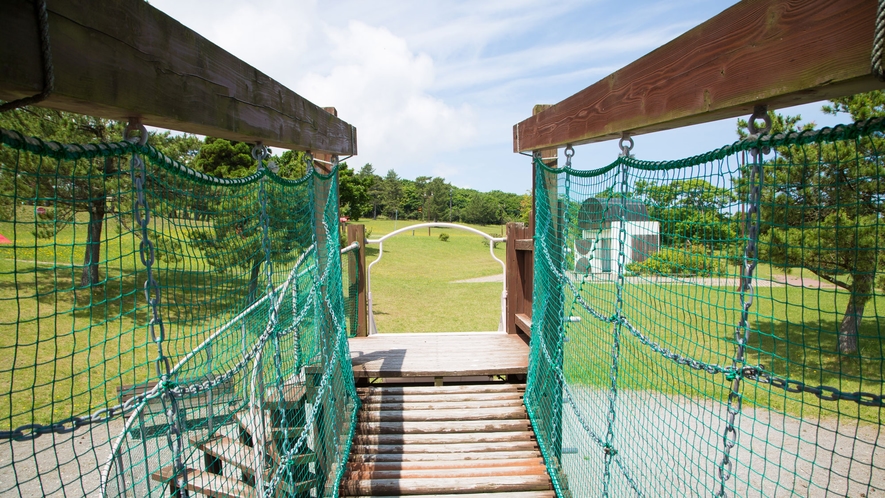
(825, 206)
(481, 210)
(373, 187)
(68, 187)
(224, 159)
(436, 199)
(353, 193)
(689, 210)
(391, 191)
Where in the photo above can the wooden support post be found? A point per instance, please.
(357, 273)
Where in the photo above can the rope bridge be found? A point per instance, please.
(712, 326)
(164, 331)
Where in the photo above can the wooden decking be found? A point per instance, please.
(439, 355)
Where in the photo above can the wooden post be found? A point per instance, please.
(357, 273)
(519, 279)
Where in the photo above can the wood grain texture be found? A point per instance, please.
(444, 427)
(524, 322)
(436, 457)
(497, 484)
(126, 58)
(520, 269)
(776, 52)
(417, 451)
(511, 494)
(438, 355)
(450, 464)
(206, 483)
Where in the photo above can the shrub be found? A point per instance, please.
(444, 237)
(669, 261)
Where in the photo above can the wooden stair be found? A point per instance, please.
(464, 441)
(239, 454)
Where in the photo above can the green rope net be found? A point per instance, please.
(164, 331)
(713, 326)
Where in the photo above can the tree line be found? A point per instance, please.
(365, 194)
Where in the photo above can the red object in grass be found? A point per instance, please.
(4, 240)
(41, 210)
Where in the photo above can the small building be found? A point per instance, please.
(600, 221)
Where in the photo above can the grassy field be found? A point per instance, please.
(413, 286)
(793, 335)
(65, 349)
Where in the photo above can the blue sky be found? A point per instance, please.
(435, 87)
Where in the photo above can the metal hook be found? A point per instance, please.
(626, 144)
(135, 125)
(759, 112)
(569, 154)
(260, 152)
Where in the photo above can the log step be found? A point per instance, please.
(480, 437)
(444, 464)
(475, 388)
(419, 486)
(439, 398)
(512, 413)
(512, 494)
(387, 405)
(538, 470)
(431, 457)
(205, 483)
(471, 440)
(443, 427)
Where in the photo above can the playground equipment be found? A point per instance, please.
(210, 353)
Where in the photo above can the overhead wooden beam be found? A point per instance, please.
(126, 58)
(777, 52)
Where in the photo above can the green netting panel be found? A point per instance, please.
(160, 326)
(714, 325)
(350, 261)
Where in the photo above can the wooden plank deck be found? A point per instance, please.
(439, 355)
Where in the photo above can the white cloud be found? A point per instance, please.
(381, 86)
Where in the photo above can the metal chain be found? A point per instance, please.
(742, 331)
(626, 144)
(152, 292)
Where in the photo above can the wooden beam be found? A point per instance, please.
(126, 58)
(776, 52)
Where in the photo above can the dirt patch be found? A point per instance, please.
(481, 280)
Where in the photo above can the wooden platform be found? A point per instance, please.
(439, 355)
(470, 440)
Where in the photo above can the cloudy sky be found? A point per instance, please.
(435, 87)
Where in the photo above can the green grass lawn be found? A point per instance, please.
(413, 287)
(64, 350)
(793, 335)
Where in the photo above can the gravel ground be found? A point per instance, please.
(671, 446)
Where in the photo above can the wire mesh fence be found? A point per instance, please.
(713, 326)
(163, 329)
